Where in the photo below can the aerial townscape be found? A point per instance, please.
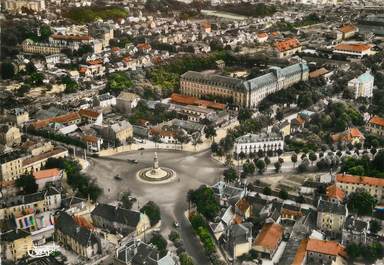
(192, 132)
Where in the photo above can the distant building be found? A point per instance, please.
(21, 5)
(18, 116)
(261, 37)
(362, 86)
(126, 101)
(9, 135)
(29, 46)
(105, 100)
(15, 245)
(348, 31)
(102, 31)
(350, 183)
(350, 135)
(373, 23)
(376, 126)
(252, 143)
(356, 231)
(357, 50)
(243, 93)
(331, 216)
(45, 176)
(91, 116)
(287, 47)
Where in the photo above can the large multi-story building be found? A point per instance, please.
(350, 183)
(252, 143)
(287, 47)
(331, 216)
(15, 244)
(19, 5)
(355, 50)
(245, 93)
(362, 86)
(11, 166)
(29, 46)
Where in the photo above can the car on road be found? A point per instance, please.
(134, 161)
(117, 177)
(176, 224)
(141, 148)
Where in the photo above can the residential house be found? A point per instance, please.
(356, 231)
(268, 240)
(375, 125)
(287, 47)
(35, 163)
(11, 166)
(261, 37)
(105, 100)
(348, 31)
(9, 135)
(48, 176)
(90, 116)
(350, 183)
(335, 194)
(325, 252)
(237, 239)
(137, 252)
(15, 245)
(93, 143)
(362, 86)
(79, 239)
(350, 135)
(126, 101)
(331, 216)
(117, 219)
(119, 131)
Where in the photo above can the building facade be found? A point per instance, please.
(362, 86)
(331, 216)
(376, 126)
(19, 5)
(245, 93)
(252, 143)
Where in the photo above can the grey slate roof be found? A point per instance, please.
(239, 233)
(14, 235)
(69, 227)
(214, 80)
(117, 214)
(331, 207)
(260, 137)
(351, 223)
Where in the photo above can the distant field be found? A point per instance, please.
(248, 10)
(90, 14)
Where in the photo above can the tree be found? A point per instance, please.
(173, 236)
(230, 175)
(374, 226)
(279, 152)
(267, 191)
(185, 259)
(127, 200)
(378, 161)
(300, 199)
(361, 203)
(260, 165)
(260, 153)
(373, 151)
(303, 167)
(7, 70)
(160, 242)
(294, 159)
(206, 202)
(277, 165)
(210, 132)
(248, 168)
(313, 157)
(27, 183)
(152, 210)
(283, 194)
(269, 153)
(117, 82)
(267, 160)
(244, 114)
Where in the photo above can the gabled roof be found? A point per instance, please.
(334, 192)
(287, 44)
(46, 173)
(117, 214)
(89, 113)
(359, 180)
(269, 236)
(331, 248)
(353, 47)
(377, 121)
(331, 207)
(347, 28)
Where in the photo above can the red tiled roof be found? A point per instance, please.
(262, 35)
(43, 156)
(318, 72)
(348, 135)
(243, 205)
(331, 248)
(188, 100)
(89, 113)
(300, 253)
(377, 121)
(269, 236)
(351, 179)
(94, 62)
(334, 192)
(353, 47)
(287, 44)
(71, 116)
(143, 46)
(71, 37)
(46, 173)
(89, 138)
(347, 28)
